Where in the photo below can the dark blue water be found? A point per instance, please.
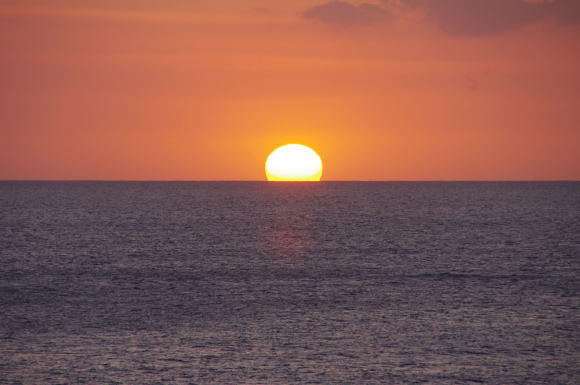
(257, 283)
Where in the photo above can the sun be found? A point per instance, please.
(293, 163)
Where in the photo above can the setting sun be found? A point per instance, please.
(293, 163)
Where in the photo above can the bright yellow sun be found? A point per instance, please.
(293, 163)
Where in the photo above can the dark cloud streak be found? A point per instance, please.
(567, 11)
(343, 14)
(490, 17)
(454, 17)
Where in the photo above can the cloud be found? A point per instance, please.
(343, 14)
(455, 17)
(489, 17)
(567, 11)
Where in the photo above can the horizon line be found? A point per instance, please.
(266, 181)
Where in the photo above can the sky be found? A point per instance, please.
(206, 89)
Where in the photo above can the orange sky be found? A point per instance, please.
(205, 89)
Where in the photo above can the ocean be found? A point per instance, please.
(289, 283)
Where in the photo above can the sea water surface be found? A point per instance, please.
(289, 283)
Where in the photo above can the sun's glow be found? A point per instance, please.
(293, 163)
